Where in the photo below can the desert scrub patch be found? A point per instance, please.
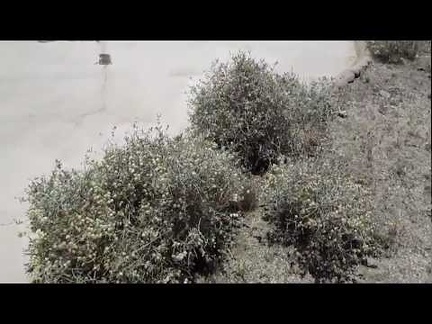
(245, 106)
(151, 210)
(394, 51)
(324, 215)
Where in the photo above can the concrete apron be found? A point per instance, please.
(55, 102)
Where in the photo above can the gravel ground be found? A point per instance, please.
(385, 136)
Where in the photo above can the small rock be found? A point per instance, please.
(342, 114)
(356, 74)
(384, 94)
(423, 63)
(356, 70)
(383, 110)
(345, 77)
(404, 61)
(259, 238)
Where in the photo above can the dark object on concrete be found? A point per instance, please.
(104, 59)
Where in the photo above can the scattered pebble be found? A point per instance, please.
(384, 94)
(342, 114)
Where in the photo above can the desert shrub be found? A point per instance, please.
(151, 210)
(393, 51)
(324, 216)
(244, 105)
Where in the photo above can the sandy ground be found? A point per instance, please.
(55, 102)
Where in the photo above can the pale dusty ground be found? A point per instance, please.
(55, 102)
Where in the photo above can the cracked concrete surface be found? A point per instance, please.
(55, 102)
